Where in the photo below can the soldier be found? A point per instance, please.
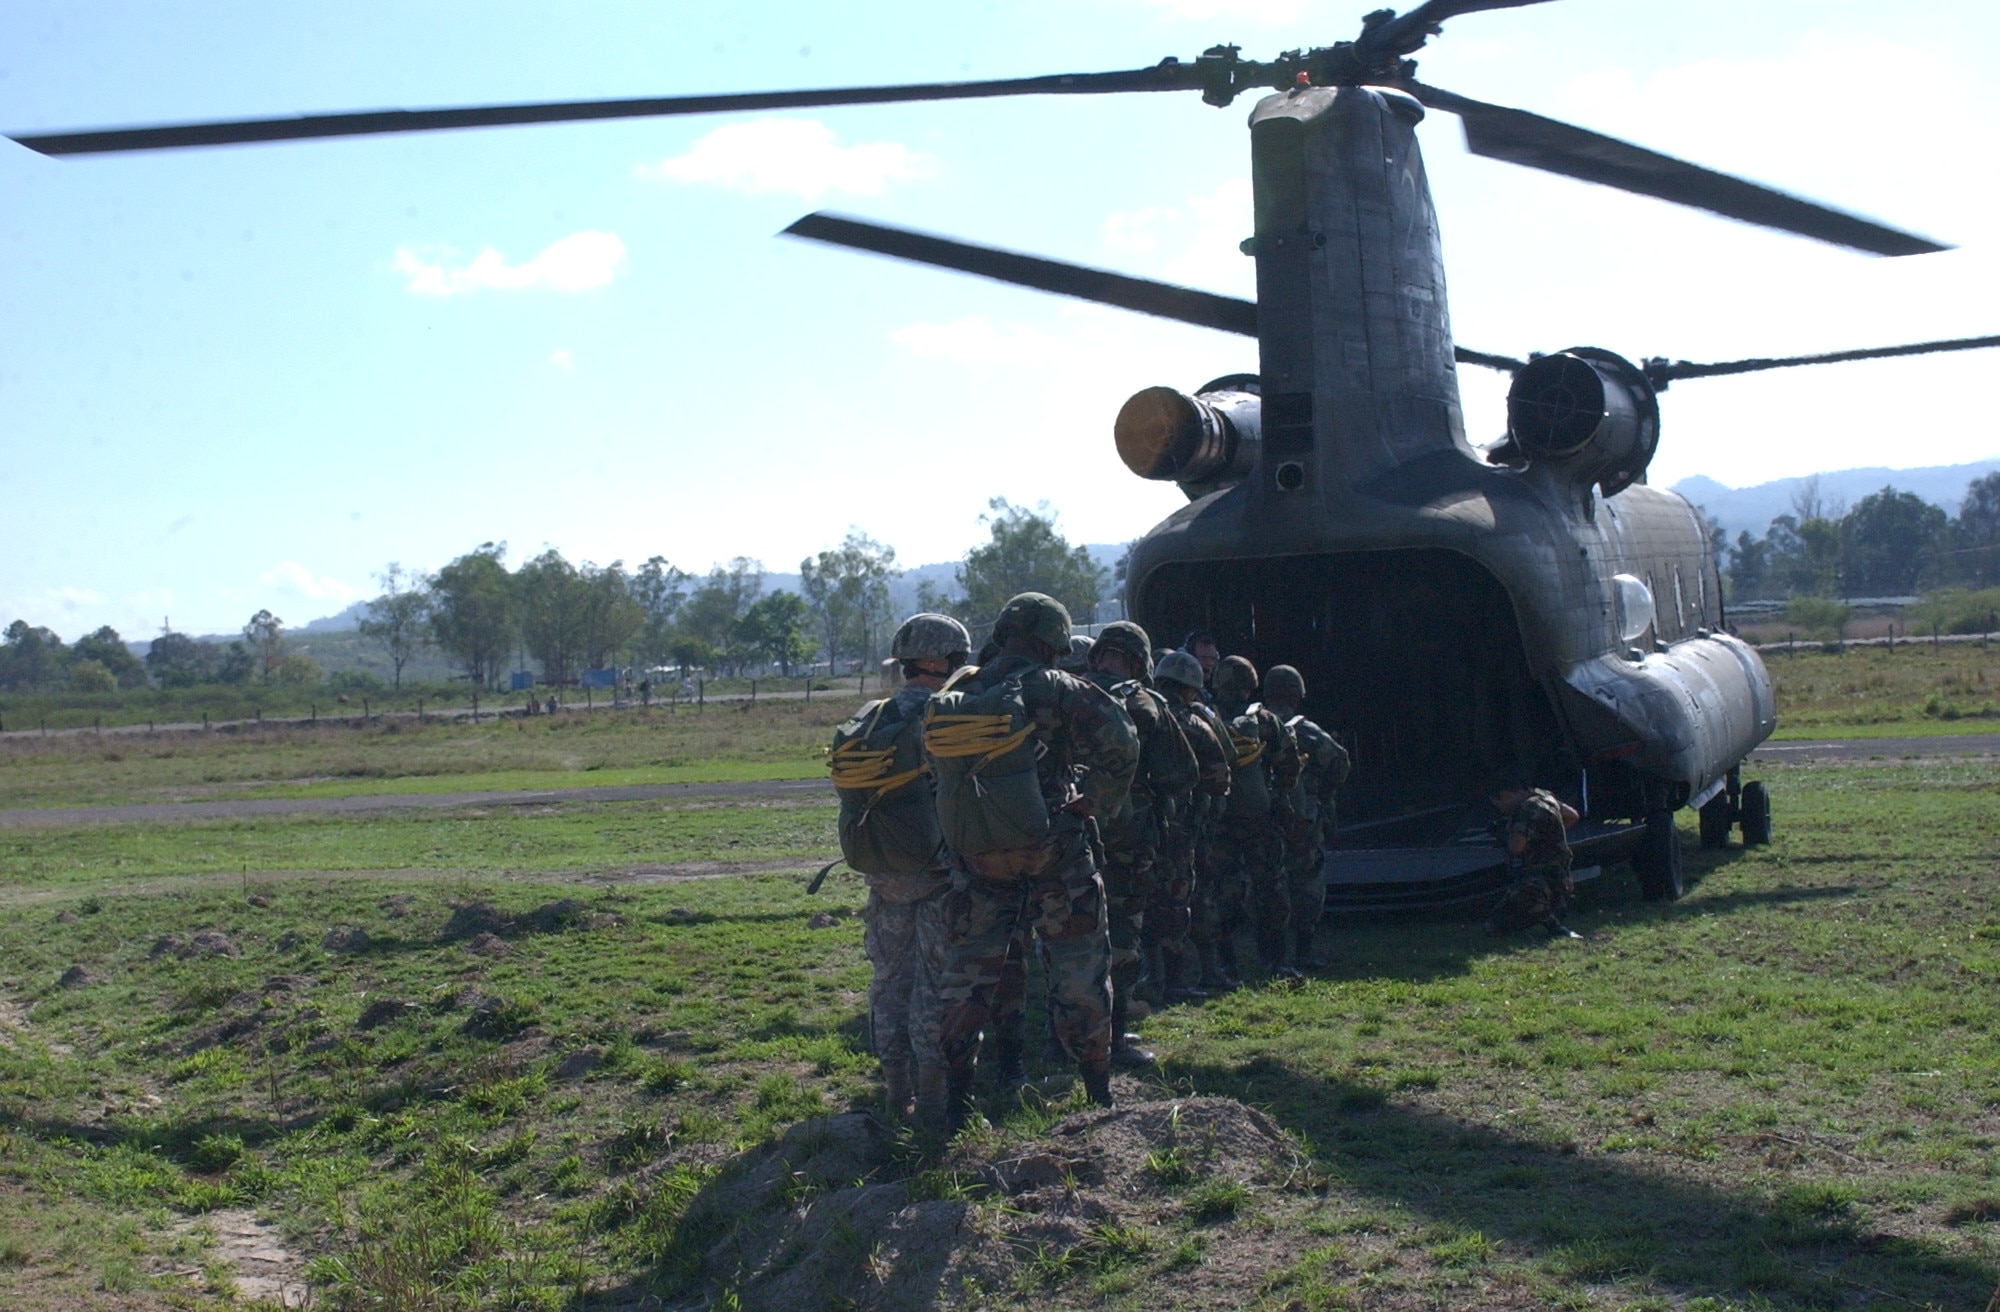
(1169, 943)
(1077, 660)
(1121, 664)
(1249, 843)
(1323, 767)
(1025, 756)
(889, 832)
(1201, 645)
(1535, 821)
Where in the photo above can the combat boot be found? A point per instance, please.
(897, 1089)
(959, 1108)
(1151, 985)
(1097, 1084)
(1183, 973)
(1304, 955)
(1216, 977)
(1128, 1050)
(1009, 1070)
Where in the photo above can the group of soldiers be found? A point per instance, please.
(1118, 812)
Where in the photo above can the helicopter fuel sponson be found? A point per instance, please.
(1452, 616)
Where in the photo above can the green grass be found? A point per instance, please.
(771, 740)
(1872, 692)
(1777, 1093)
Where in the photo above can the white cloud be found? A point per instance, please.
(799, 156)
(1198, 241)
(580, 262)
(74, 599)
(562, 359)
(296, 580)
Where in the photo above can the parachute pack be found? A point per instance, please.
(1249, 788)
(888, 824)
(982, 753)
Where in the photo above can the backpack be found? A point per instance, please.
(888, 825)
(982, 752)
(1249, 785)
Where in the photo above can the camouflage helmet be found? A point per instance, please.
(1234, 674)
(1036, 615)
(929, 637)
(1179, 667)
(1129, 641)
(1282, 683)
(1077, 659)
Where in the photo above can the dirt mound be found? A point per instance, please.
(838, 1211)
(345, 939)
(77, 977)
(482, 922)
(207, 943)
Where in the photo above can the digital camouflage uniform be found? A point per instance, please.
(1248, 849)
(1542, 887)
(1088, 754)
(1323, 767)
(906, 924)
(1169, 914)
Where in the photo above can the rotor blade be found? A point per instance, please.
(1543, 143)
(1168, 75)
(1408, 32)
(1661, 372)
(1164, 300)
(1160, 299)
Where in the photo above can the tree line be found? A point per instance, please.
(1891, 544)
(569, 618)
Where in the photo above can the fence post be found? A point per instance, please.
(475, 706)
(700, 693)
(204, 721)
(753, 692)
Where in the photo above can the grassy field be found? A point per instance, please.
(508, 1060)
(1876, 692)
(774, 739)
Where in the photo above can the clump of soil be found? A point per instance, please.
(833, 1215)
(383, 1011)
(487, 945)
(344, 938)
(207, 943)
(77, 977)
(482, 922)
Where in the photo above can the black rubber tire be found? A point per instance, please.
(1716, 818)
(1657, 863)
(1756, 817)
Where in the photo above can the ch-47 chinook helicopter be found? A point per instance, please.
(1530, 607)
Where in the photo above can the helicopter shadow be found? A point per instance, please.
(1590, 1217)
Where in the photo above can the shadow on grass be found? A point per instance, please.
(1588, 1218)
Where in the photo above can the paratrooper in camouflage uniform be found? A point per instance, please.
(1323, 767)
(1249, 844)
(1087, 754)
(1538, 847)
(1169, 945)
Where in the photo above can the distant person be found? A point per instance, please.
(1323, 768)
(889, 833)
(1201, 645)
(1535, 826)
(1077, 660)
(1025, 756)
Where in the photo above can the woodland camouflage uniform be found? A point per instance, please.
(1163, 786)
(1248, 847)
(1542, 886)
(1087, 756)
(1323, 768)
(1168, 940)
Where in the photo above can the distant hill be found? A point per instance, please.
(346, 621)
(1753, 508)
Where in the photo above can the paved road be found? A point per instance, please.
(243, 807)
(1851, 749)
(1862, 749)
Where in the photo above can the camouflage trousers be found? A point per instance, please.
(1064, 910)
(1537, 895)
(1247, 856)
(1130, 868)
(907, 944)
(1305, 873)
(1170, 908)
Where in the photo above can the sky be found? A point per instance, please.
(253, 377)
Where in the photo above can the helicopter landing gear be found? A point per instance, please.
(1657, 863)
(1756, 815)
(1718, 816)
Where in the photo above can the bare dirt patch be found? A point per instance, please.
(264, 1271)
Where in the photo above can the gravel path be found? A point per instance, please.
(1890, 749)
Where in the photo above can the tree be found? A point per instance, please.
(1026, 554)
(1749, 567)
(1977, 531)
(1889, 541)
(1805, 555)
(297, 670)
(472, 614)
(265, 635)
(400, 618)
(89, 675)
(553, 603)
(178, 661)
(236, 663)
(660, 589)
(723, 598)
(109, 650)
(612, 616)
(847, 593)
(775, 628)
(32, 658)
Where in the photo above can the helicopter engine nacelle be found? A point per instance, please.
(1588, 415)
(1203, 442)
